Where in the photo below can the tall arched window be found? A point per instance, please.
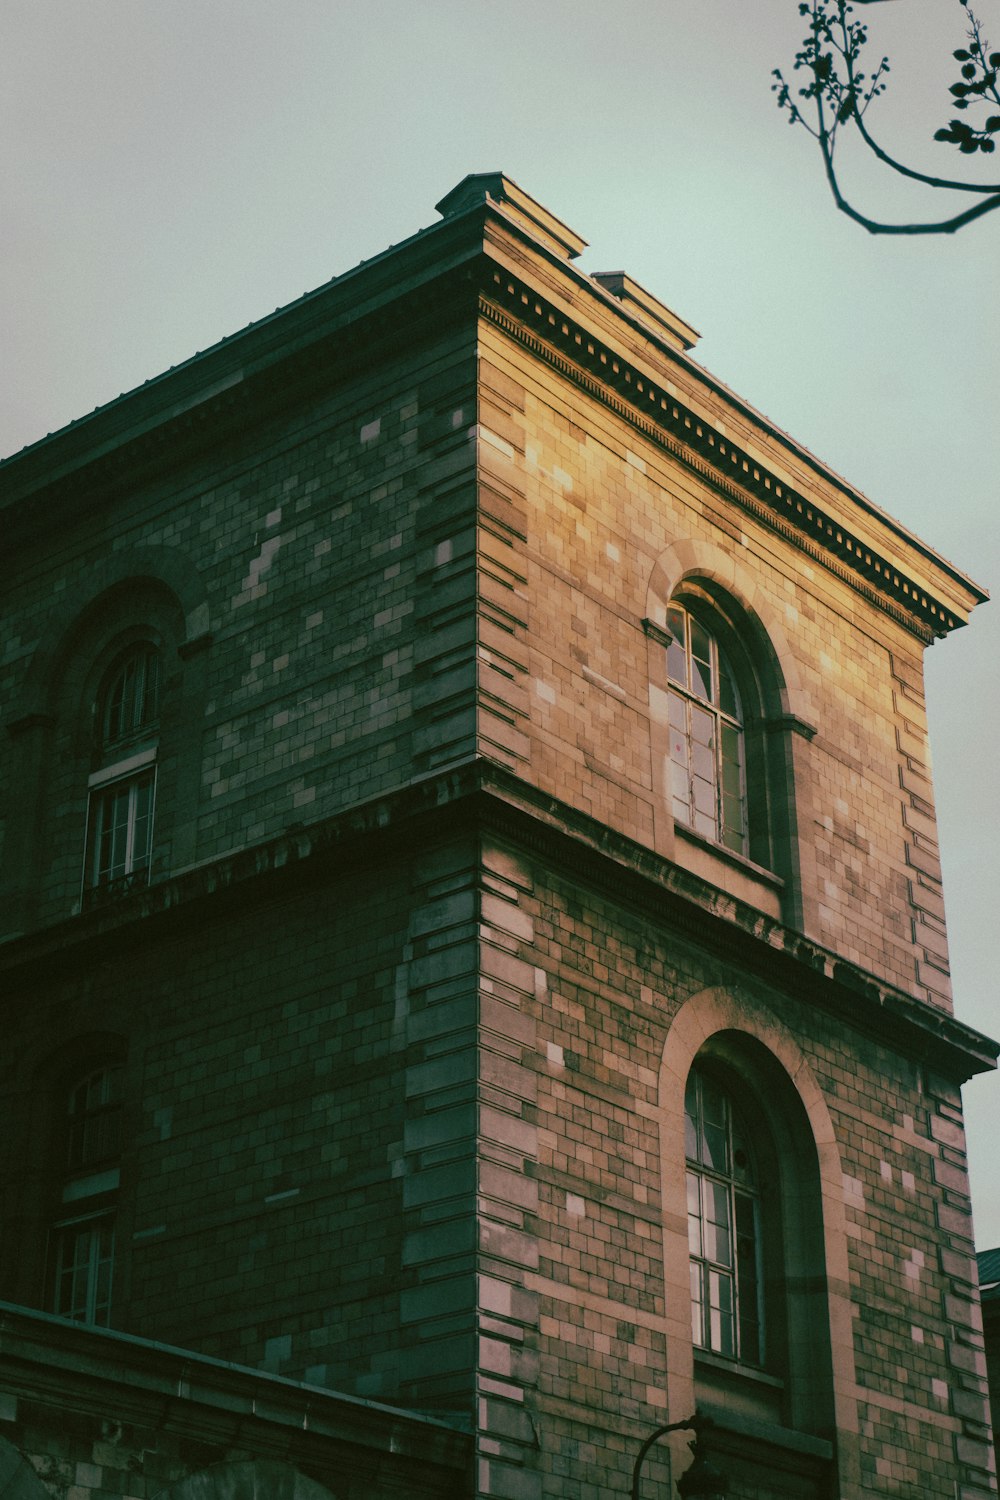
(122, 786)
(707, 761)
(724, 1224)
(84, 1229)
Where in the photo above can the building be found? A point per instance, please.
(474, 968)
(988, 1262)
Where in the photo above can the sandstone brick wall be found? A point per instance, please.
(404, 1036)
(331, 656)
(592, 513)
(297, 1175)
(591, 990)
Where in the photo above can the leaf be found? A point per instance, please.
(993, 123)
(962, 53)
(959, 90)
(969, 70)
(987, 145)
(968, 147)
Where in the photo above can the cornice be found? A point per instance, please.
(77, 1367)
(569, 347)
(476, 797)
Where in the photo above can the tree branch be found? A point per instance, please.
(829, 54)
(875, 226)
(890, 161)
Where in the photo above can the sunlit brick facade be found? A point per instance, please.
(474, 970)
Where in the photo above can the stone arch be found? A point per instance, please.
(778, 727)
(165, 570)
(691, 560)
(47, 1069)
(732, 1026)
(144, 593)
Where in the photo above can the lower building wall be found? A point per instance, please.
(873, 1380)
(295, 1180)
(404, 1120)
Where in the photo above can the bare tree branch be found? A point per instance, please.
(838, 94)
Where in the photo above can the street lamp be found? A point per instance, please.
(702, 1481)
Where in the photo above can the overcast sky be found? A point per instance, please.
(173, 169)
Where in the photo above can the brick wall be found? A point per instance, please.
(592, 989)
(592, 517)
(331, 554)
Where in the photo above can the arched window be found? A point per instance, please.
(757, 1277)
(724, 1224)
(122, 786)
(84, 1228)
(707, 761)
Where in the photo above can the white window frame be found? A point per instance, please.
(130, 773)
(683, 743)
(717, 1329)
(92, 1272)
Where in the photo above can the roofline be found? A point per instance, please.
(479, 794)
(515, 222)
(228, 341)
(682, 357)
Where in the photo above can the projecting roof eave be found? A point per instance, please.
(849, 528)
(924, 573)
(50, 1356)
(210, 373)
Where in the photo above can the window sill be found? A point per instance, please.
(752, 1393)
(729, 871)
(734, 1368)
(114, 890)
(799, 1450)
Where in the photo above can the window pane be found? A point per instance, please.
(103, 1271)
(702, 726)
(747, 1277)
(732, 781)
(697, 1307)
(718, 1239)
(84, 1269)
(677, 650)
(678, 717)
(121, 829)
(706, 736)
(682, 811)
(701, 662)
(694, 1215)
(723, 1223)
(703, 763)
(742, 1159)
(715, 1124)
(691, 1119)
(729, 700)
(94, 1118)
(142, 826)
(720, 1313)
(704, 797)
(733, 833)
(130, 699)
(113, 816)
(679, 749)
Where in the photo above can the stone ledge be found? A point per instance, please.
(73, 1366)
(476, 796)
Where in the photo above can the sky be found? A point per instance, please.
(171, 170)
